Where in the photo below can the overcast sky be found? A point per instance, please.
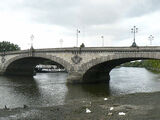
(52, 20)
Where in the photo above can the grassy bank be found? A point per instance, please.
(153, 65)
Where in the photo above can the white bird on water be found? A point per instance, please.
(105, 98)
(88, 110)
(111, 108)
(121, 113)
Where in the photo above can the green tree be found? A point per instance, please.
(7, 46)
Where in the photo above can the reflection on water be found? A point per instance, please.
(47, 89)
(133, 80)
(42, 90)
(16, 91)
(89, 91)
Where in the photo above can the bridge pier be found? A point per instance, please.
(92, 77)
(75, 77)
(96, 77)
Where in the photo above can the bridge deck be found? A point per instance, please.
(90, 49)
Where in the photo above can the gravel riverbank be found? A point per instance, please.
(140, 106)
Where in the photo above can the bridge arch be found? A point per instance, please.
(98, 69)
(21, 61)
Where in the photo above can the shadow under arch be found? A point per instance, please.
(24, 64)
(97, 70)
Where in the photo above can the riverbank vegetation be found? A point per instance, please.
(153, 65)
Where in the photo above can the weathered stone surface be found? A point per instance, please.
(92, 62)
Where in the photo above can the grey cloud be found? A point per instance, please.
(86, 12)
(142, 7)
(73, 12)
(81, 12)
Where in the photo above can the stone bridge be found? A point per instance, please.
(84, 65)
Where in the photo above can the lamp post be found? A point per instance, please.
(134, 30)
(32, 37)
(3, 56)
(78, 31)
(4, 51)
(102, 41)
(61, 42)
(151, 37)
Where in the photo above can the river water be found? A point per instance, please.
(48, 89)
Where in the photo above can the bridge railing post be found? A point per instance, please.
(31, 51)
(3, 56)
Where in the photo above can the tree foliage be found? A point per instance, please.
(153, 65)
(7, 46)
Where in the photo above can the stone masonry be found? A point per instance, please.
(81, 64)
